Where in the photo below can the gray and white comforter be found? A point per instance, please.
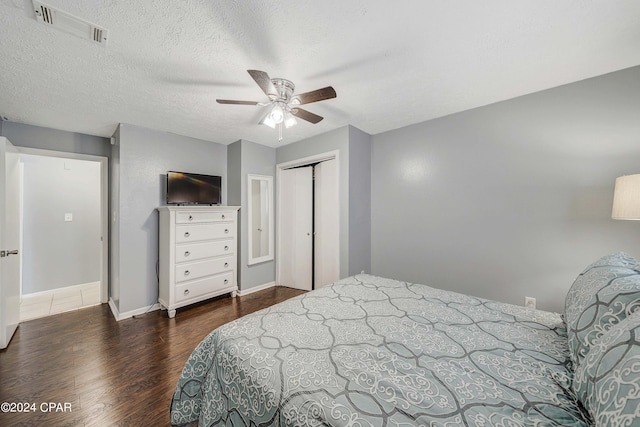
(368, 351)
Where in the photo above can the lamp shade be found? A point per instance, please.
(277, 113)
(268, 121)
(626, 198)
(289, 120)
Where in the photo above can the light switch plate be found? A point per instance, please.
(68, 217)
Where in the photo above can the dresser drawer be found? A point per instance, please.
(203, 286)
(196, 270)
(196, 251)
(194, 233)
(195, 217)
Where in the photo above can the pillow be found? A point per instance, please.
(618, 259)
(607, 382)
(606, 292)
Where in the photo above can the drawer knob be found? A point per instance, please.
(187, 253)
(226, 281)
(190, 218)
(226, 248)
(187, 234)
(222, 216)
(226, 264)
(186, 291)
(226, 230)
(187, 272)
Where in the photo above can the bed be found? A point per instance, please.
(371, 351)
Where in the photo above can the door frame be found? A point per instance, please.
(304, 161)
(9, 290)
(104, 205)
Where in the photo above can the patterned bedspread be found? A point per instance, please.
(368, 351)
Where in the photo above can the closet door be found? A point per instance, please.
(296, 227)
(326, 224)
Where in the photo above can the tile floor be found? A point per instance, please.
(34, 306)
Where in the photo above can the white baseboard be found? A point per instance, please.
(129, 314)
(243, 292)
(65, 288)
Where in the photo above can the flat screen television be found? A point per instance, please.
(193, 189)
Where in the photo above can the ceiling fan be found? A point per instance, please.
(284, 103)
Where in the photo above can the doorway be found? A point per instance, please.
(308, 246)
(64, 240)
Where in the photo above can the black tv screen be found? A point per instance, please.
(193, 188)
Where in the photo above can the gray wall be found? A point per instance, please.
(234, 195)
(54, 139)
(359, 201)
(114, 220)
(144, 157)
(261, 160)
(234, 174)
(58, 253)
(510, 199)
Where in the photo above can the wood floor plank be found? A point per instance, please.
(112, 373)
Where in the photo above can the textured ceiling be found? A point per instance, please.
(391, 63)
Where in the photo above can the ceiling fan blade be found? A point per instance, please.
(264, 81)
(306, 115)
(316, 95)
(230, 101)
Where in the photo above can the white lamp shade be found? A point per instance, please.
(268, 121)
(626, 198)
(289, 120)
(277, 113)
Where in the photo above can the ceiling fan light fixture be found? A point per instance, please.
(289, 120)
(277, 113)
(284, 110)
(268, 121)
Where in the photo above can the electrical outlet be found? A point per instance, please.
(530, 302)
(68, 217)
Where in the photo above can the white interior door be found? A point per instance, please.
(296, 227)
(326, 224)
(9, 241)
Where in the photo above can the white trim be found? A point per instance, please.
(64, 288)
(129, 314)
(251, 260)
(21, 225)
(334, 154)
(244, 292)
(309, 159)
(114, 309)
(104, 205)
(63, 154)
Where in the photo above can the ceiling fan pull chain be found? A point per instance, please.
(280, 132)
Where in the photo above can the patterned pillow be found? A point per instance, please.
(606, 292)
(618, 259)
(608, 381)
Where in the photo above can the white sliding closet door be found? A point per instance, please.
(296, 227)
(327, 226)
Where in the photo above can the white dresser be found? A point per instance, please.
(198, 254)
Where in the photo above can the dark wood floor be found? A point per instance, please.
(112, 373)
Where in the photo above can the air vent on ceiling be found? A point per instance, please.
(64, 21)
